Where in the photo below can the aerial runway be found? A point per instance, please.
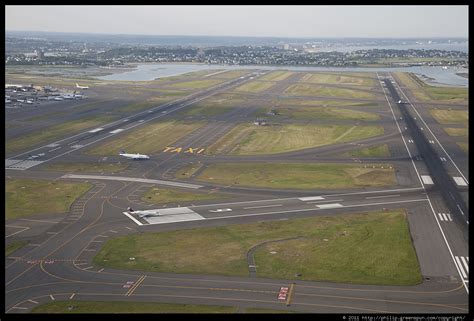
(58, 265)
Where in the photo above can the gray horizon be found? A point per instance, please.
(245, 21)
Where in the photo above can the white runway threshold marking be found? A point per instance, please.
(168, 215)
(427, 179)
(459, 181)
(464, 267)
(20, 164)
(171, 215)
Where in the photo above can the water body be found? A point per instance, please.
(145, 72)
(461, 46)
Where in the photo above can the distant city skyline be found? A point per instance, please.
(246, 21)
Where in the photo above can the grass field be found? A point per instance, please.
(128, 307)
(322, 91)
(341, 258)
(254, 86)
(425, 92)
(457, 131)
(299, 176)
(52, 133)
(448, 93)
(206, 109)
(464, 147)
(135, 107)
(323, 103)
(147, 139)
(194, 84)
(27, 197)
(230, 74)
(248, 139)
(88, 167)
(338, 79)
(446, 116)
(277, 75)
(187, 171)
(78, 108)
(374, 151)
(326, 113)
(173, 196)
(13, 246)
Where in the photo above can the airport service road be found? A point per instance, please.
(59, 266)
(70, 144)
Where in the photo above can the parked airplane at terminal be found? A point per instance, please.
(81, 87)
(134, 156)
(142, 214)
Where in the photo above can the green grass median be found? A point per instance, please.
(249, 139)
(128, 307)
(366, 248)
(28, 197)
(158, 195)
(299, 175)
(149, 138)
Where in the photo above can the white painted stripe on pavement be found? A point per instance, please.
(117, 131)
(460, 267)
(52, 297)
(459, 181)
(445, 217)
(133, 219)
(319, 202)
(326, 206)
(95, 130)
(466, 266)
(427, 179)
(311, 198)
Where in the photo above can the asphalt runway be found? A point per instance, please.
(58, 264)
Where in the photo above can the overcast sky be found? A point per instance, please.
(278, 21)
